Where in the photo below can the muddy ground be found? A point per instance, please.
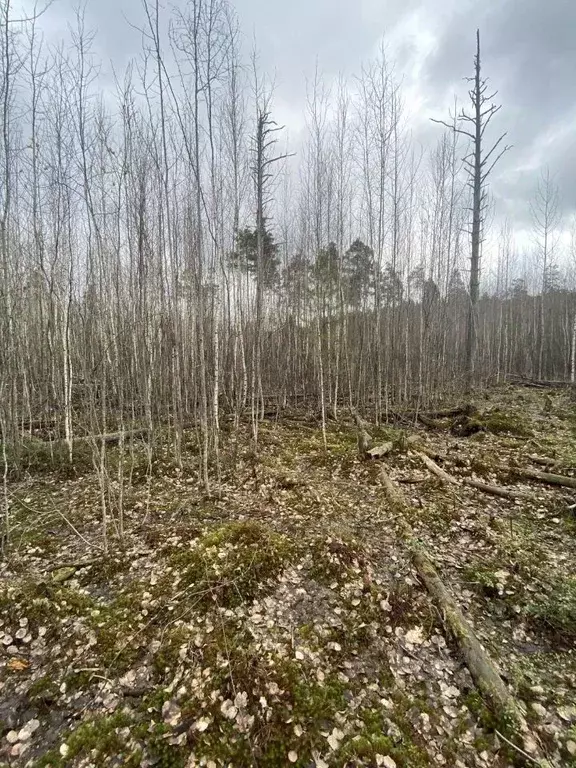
(280, 621)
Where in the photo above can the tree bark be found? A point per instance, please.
(545, 477)
(494, 490)
(482, 668)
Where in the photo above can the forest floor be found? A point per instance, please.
(281, 621)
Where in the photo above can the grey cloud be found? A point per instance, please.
(529, 54)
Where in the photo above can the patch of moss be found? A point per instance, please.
(491, 723)
(162, 753)
(402, 604)
(556, 610)
(115, 628)
(102, 572)
(482, 579)
(98, 739)
(72, 601)
(77, 680)
(43, 692)
(43, 603)
(167, 656)
(39, 457)
(233, 563)
(501, 422)
(374, 738)
(299, 699)
(439, 515)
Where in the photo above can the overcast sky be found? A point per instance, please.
(529, 54)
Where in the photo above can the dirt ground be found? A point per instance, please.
(280, 621)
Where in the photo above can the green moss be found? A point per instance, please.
(44, 604)
(43, 692)
(232, 564)
(77, 680)
(492, 723)
(73, 601)
(482, 579)
(313, 701)
(556, 610)
(373, 739)
(102, 572)
(167, 656)
(98, 739)
(236, 666)
(403, 607)
(39, 457)
(163, 754)
(115, 629)
(500, 422)
(312, 704)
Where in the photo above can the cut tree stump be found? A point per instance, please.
(483, 670)
(364, 438)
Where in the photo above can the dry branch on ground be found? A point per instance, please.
(481, 666)
(494, 490)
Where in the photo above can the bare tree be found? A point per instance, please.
(263, 144)
(479, 164)
(545, 210)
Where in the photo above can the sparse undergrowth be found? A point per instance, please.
(280, 622)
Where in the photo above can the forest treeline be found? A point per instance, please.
(170, 257)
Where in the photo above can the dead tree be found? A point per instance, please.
(545, 210)
(479, 164)
(264, 158)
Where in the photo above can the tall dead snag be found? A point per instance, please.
(481, 666)
(479, 164)
(264, 142)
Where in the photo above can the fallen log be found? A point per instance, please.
(494, 490)
(415, 441)
(63, 572)
(360, 423)
(524, 381)
(446, 413)
(438, 471)
(393, 416)
(429, 422)
(380, 450)
(111, 437)
(545, 477)
(544, 461)
(482, 668)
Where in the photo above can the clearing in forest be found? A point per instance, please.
(282, 621)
